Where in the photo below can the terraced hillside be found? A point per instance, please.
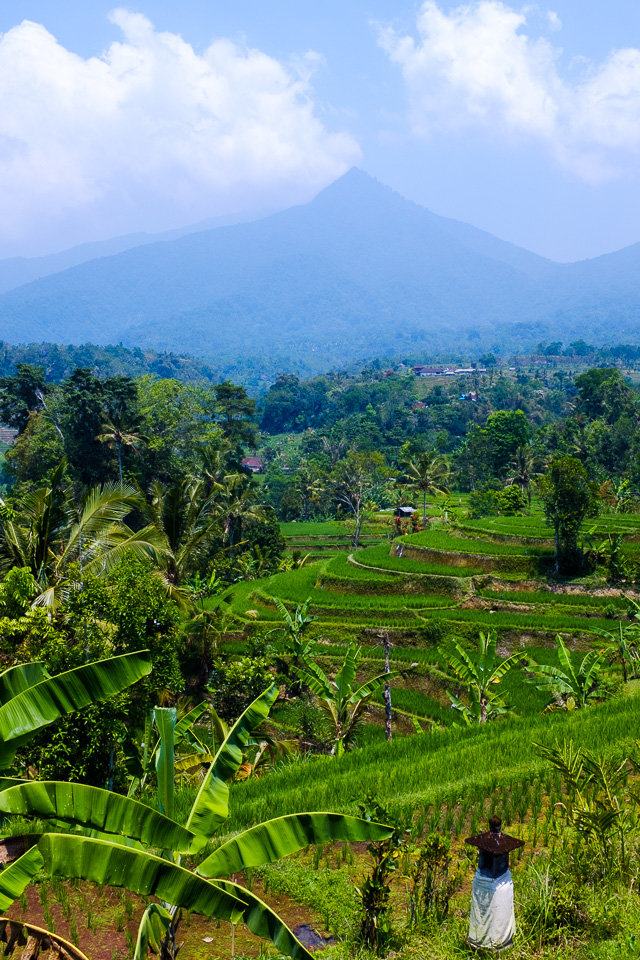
(454, 579)
(320, 538)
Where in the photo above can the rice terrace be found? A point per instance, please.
(319, 480)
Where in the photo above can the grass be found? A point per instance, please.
(445, 541)
(380, 557)
(442, 767)
(557, 599)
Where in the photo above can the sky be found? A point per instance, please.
(520, 118)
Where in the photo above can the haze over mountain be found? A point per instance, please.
(357, 272)
(16, 271)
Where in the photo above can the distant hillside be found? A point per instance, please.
(59, 362)
(16, 271)
(358, 272)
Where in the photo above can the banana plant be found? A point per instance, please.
(294, 627)
(341, 700)
(30, 699)
(123, 842)
(481, 674)
(571, 688)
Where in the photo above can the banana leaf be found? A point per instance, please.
(15, 878)
(67, 692)
(96, 808)
(185, 723)
(262, 921)
(17, 679)
(166, 718)
(8, 750)
(153, 927)
(100, 861)
(278, 838)
(211, 806)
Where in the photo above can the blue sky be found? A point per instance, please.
(521, 119)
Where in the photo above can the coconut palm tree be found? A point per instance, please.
(116, 437)
(428, 473)
(524, 469)
(182, 515)
(310, 487)
(50, 532)
(235, 502)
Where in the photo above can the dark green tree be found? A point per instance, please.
(21, 394)
(568, 497)
(507, 430)
(237, 411)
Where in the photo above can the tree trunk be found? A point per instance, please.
(387, 689)
(356, 534)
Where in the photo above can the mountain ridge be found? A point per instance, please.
(358, 270)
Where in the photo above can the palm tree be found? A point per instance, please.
(341, 700)
(428, 473)
(182, 515)
(480, 674)
(50, 533)
(116, 437)
(524, 469)
(126, 843)
(571, 689)
(310, 487)
(235, 502)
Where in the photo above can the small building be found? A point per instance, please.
(254, 464)
(403, 513)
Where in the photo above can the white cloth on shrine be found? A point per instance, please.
(491, 922)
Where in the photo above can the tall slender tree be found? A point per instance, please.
(429, 472)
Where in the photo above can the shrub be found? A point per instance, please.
(237, 684)
(511, 501)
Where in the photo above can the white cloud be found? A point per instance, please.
(151, 134)
(478, 66)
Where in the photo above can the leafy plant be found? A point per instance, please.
(480, 674)
(127, 843)
(375, 890)
(597, 809)
(571, 688)
(341, 700)
(428, 869)
(30, 699)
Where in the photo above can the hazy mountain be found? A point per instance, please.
(356, 272)
(17, 271)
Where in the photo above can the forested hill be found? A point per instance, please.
(357, 272)
(58, 362)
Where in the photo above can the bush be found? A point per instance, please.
(434, 632)
(237, 684)
(483, 503)
(511, 501)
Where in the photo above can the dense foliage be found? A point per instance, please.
(131, 518)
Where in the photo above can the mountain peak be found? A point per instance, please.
(355, 184)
